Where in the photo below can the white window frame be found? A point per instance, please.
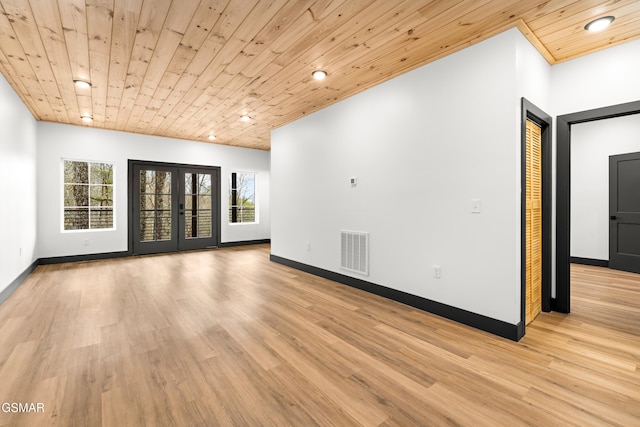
(256, 219)
(62, 184)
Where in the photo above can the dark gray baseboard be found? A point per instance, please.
(86, 257)
(121, 254)
(478, 321)
(244, 243)
(589, 261)
(6, 292)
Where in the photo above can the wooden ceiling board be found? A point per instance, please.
(181, 69)
(100, 15)
(52, 36)
(249, 77)
(188, 68)
(241, 30)
(132, 106)
(404, 52)
(126, 13)
(31, 48)
(17, 71)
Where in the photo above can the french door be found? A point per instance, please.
(173, 207)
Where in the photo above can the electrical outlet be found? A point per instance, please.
(86, 242)
(436, 271)
(308, 246)
(476, 206)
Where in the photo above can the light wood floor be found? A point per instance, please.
(225, 337)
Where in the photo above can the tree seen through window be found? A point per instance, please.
(88, 195)
(242, 197)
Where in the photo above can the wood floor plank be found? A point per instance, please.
(225, 337)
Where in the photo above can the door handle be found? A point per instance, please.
(613, 217)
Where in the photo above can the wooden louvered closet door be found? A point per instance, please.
(534, 221)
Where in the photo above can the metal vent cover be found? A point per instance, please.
(354, 253)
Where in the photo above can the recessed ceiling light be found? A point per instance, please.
(82, 84)
(599, 24)
(211, 136)
(319, 74)
(86, 118)
(245, 118)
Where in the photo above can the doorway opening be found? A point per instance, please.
(562, 301)
(173, 207)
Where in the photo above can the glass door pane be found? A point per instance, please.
(154, 198)
(197, 198)
(155, 205)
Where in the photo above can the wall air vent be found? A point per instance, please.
(354, 253)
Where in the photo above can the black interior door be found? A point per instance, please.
(624, 211)
(173, 207)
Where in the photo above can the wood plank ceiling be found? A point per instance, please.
(190, 68)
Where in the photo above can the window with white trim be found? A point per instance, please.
(88, 195)
(242, 197)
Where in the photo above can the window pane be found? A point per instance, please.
(163, 202)
(163, 231)
(101, 218)
(101, 195)
(163, 182)
(147, 181)
(205, 184)
(246, 214)
(187, 183)
(204, 202)
(76, 195)
(248, 189)
(204, 226)
(76, 219)
(76, 172)
(101, 173)
(147, 226)
(188, 226)
(147, 202)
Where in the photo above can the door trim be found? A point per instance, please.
(562, 301)
(130, 164)
(536, 115)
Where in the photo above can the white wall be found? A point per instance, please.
(591, 145)
(422, 146)
(17, 186)
(604, 78)
(57, 141)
